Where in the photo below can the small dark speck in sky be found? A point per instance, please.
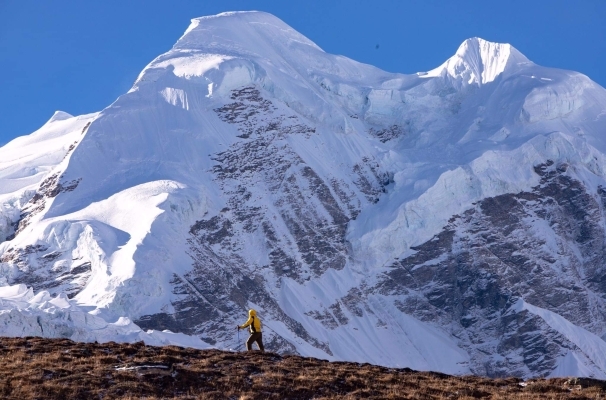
(377, 47)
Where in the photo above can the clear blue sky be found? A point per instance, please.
(79, 56)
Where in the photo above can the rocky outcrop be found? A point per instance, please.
(545, 246)
(49, 188)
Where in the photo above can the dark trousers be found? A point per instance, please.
(255, 337)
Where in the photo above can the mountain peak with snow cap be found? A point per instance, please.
(478, 61)
(60, 116)
(240, 33)
(234, 48)
(248, 168)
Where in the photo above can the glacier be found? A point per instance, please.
(24, 314)
(368, 216)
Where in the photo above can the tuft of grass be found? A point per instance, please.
(36, 368)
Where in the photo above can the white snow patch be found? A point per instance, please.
(190, 65)
(176, 97)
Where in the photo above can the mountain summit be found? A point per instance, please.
(243, 33)
(449, 221)
(478, 61)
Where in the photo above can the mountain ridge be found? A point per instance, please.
(60, 368)
(248, 168)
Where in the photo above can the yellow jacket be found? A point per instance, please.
(253, 322)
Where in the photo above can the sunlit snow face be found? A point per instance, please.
(190, 65)
(305, 176)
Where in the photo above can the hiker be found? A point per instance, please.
(254, 325)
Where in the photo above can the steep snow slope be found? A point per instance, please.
(368, 216)
(27, 160)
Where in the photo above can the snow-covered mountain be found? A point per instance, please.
(450, 220)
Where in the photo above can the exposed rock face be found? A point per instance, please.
(38, 265)
(546, 246)
(302, 228)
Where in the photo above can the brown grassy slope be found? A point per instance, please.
(36, 368)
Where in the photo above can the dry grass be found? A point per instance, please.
(35, 368)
